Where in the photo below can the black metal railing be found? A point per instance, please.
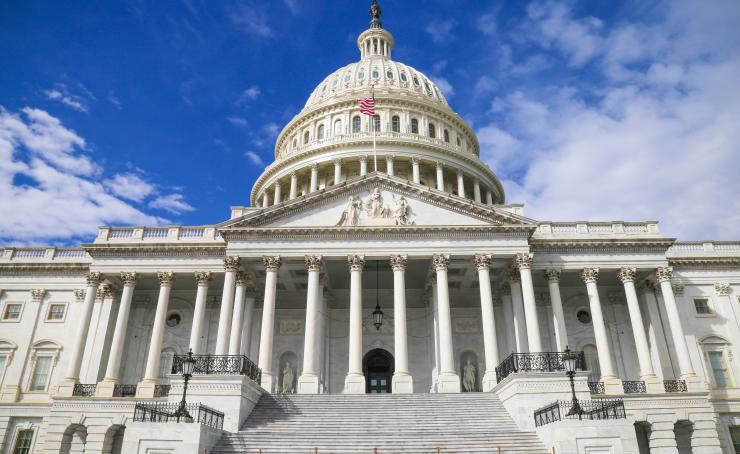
(220, 365)
(124, 390)
(161, 390)
(675, 386)
(536, 362)
(84, 390)
(589, 409)
(634, 387)
(167, 412)
(596, 387)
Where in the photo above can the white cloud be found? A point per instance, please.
(113, 99)
(252, 92)
(293, 6)
(63, 94)
(252, 21)
(441, 30)
(237, 121)
(172, 203)
(444, 85)
(254, 158)
(656, 140)
(486, 24)
(130, 186)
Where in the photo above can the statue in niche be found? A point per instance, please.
(469, 371)
(402, 211)
(374, 206)
(288, 379)
(351, 213)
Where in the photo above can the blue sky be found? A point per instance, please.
(166, 112)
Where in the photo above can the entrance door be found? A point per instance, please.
(378, 368)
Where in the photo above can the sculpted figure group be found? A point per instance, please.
(374, 208)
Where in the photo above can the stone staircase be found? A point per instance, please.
(392, 423)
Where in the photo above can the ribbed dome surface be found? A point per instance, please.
(388, 76)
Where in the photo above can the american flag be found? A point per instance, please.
(367, 106)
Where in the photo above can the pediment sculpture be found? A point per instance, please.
(373, 211)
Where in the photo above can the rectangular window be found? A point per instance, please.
(719, 370)
(702, 306)
(56, 312)
(23, 442)
(40, 374)
(3, 363)
(735, 434)
(12, 311)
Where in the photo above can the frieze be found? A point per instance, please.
(466, 325)
(290, 326)
(155, 250)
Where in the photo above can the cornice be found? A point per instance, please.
(15, 269)
(690, 262)
(596, 245)
(155, 250)
(459, 232)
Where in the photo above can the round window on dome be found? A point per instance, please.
(347, 77)
(334, 83)
(403, 77)
(323, 89)
(416, 81)
(389, 74)
(361, 75)
(376, 74)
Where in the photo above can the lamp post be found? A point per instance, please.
(377, 313)
(188, 364)
(569, 360)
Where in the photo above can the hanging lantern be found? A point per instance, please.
(377, 317)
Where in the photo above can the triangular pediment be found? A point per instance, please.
(377, 200)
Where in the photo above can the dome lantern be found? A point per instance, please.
(375, 41)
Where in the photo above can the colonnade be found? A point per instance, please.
(237, 310)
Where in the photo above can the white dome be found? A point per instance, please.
(388, 76)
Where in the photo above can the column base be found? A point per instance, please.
(267, 382)
(489, 381)
(449, 382)
(145, 389)
(105, 388)
(354, 384)
(612, 385)
(653, 384)
(403, 383)
(308, 384)
(66, 388)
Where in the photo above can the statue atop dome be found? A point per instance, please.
(375, 14)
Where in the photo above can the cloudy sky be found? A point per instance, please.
(133, 112)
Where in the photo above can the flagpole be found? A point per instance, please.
(372, 123)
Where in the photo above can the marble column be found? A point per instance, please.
(151, 374)
(524, 264)
(612, 384)
(265, 200)
(231, 265)
(237, 318)
(314, 182)
(476, 191)
(113, 369)
(440, 177)
(249, 302)
(389, 165)
(449, 381)
(80, 338)
(337, 171)
(402, 380)
(435, 331)
(278, 193)
(627, 276)
(363, 166)
(656, 334)
(272, 266)
(415, 170)
(308, 382)
(203, 278)
(460, 184)
(664, 275)
(482, 263)
(293, 186)
(517, 309)
(558, 318)
(489, 197)
(354, 382)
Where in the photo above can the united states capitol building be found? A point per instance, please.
(405, 274)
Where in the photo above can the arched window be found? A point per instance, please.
(414, 126)
(432, 131)
(716, 356)
(338, 127)
(376, 123)
(356, 123)
(320, 132)
(396, 123)
(305, 138)
(447, 136)
(295, 143)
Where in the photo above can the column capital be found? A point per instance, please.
(314, 166)
(722, 288)
(482, 261)
(129, 278)
(590, 275)
(104, 291)
(313, 262)
(243, 278)
(37, 294)
(79, 294)
(337, 161)
(356, 262)
(398, 262)
(441, 261)
(552, 275)
(294, 174)
(363, 158)
(271, 262)
(523, 260)
(439, 164)
(678, 288)
(231, 263)
(415, 159)
(166, 277)
(93, 278)
(664, 274)
(514, 275)
(626, 274)
(203, 277)
(389, 157)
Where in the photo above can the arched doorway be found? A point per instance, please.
(378, 368)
